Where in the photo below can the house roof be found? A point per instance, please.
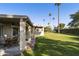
(18, 17)
(12, 16)
(38, 26)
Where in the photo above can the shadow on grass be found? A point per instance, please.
(52, 47)
(75, 38)
(70, 34)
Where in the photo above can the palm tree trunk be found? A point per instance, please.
(58, 20)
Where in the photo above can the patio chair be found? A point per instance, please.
(2, 41)
(8, 42)
(15, 39)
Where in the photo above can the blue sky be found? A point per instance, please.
(39, 11)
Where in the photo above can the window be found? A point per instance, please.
(15, 31)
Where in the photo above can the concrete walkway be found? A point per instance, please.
(12, 51)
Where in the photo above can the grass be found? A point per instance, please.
(61, 37)
(54, 44)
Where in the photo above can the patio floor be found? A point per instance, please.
(12, 51)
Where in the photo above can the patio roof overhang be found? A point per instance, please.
(14, 18)
(38, 26)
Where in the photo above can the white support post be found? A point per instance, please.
(43, 31)
(29, 34)
(22, 35)
(32, 32)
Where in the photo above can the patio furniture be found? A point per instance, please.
(2, 40)
(8, 42)
(15, 40)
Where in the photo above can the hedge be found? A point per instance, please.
(70, 31)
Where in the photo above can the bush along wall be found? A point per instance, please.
(70, 31)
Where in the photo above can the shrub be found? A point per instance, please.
(70, 31)
(47, 29)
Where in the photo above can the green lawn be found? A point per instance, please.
(54, 44)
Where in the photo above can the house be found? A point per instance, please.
(15, 30)
(39, 30)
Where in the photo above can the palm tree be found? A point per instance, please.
(58, 4)
(50, 18)
(43, 22)
(52, 22)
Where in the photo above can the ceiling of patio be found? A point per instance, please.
(15, 19)
(9, 20)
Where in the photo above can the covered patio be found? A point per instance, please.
(15, 31)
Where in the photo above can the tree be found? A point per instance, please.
(75, 20)
(50, 18)
(61, 25)
(58, 4)
(47, 29)
(50, 14)
(43, 21)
